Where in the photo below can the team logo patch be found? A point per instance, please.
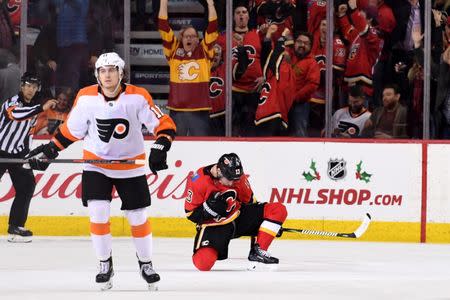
(188, 71)
(195, 177)
(336, 169)
(112, 128)
(180, 52)
(216, 85)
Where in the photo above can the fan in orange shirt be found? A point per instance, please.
(49, 121)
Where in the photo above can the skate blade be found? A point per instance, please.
(14, 238)
(153, 287)
(257, 266)
(104, 286)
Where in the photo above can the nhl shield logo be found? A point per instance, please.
(336, 169)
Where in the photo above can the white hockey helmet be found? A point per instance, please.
(110, 59)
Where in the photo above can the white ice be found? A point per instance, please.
(64, 268)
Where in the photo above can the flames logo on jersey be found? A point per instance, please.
(116, 128)
(229, 196)
(251, 52)
(188, 71)
(13, 7)
(354, 49)
(265, 92)
(216, 85)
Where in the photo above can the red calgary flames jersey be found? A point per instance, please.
(217, 91)
(202, 184)
(252, 44)
(277, 93)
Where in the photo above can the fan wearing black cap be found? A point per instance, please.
(221, 202)
(17, 118)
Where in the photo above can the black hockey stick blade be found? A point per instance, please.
(354, 235)
(76, 161)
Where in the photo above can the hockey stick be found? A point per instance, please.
(354, 235)
(75, 161)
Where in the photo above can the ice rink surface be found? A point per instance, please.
(64, 268)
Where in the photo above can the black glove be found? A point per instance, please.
(215, 206)
(37, 164)
(49, 151)
(157, 160)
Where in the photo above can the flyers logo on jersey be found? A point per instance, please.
(116, 128)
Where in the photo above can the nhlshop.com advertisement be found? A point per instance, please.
(322, 182)
(314, 180)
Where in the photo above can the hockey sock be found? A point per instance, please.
(99, 211)
(204, 258)
(274, 215)
(141, 231)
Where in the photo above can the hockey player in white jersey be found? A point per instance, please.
(108, 117)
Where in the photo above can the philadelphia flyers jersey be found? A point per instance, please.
(349, 124)
(113, 129)
(202, 184)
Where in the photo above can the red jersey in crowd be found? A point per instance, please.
(307, 77)
(364, 51)
(217, 91)
(276, 18)
(339, 61)
(252, 43)
(202, 185)
(277, 93)
(317, 11)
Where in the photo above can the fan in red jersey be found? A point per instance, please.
(220, 201)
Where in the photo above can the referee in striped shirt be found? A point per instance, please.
(17, 118)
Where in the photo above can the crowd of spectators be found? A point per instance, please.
(278, 64)
(377, 48)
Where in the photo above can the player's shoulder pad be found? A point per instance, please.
(133, 89)
(91, 90)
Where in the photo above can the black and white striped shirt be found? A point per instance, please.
(17, 118)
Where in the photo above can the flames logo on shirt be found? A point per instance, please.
(216, 85)
(251, 52)
(229, 197)
(116, 128)
(353, 50)
(265, 92)
(188, 71)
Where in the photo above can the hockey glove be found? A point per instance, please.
(49, 151)
(215, 206)
(38, 164)
(157, 160)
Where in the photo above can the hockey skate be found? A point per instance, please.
(149, 275)
(261, 259)
(106, 272)
(17, 234)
